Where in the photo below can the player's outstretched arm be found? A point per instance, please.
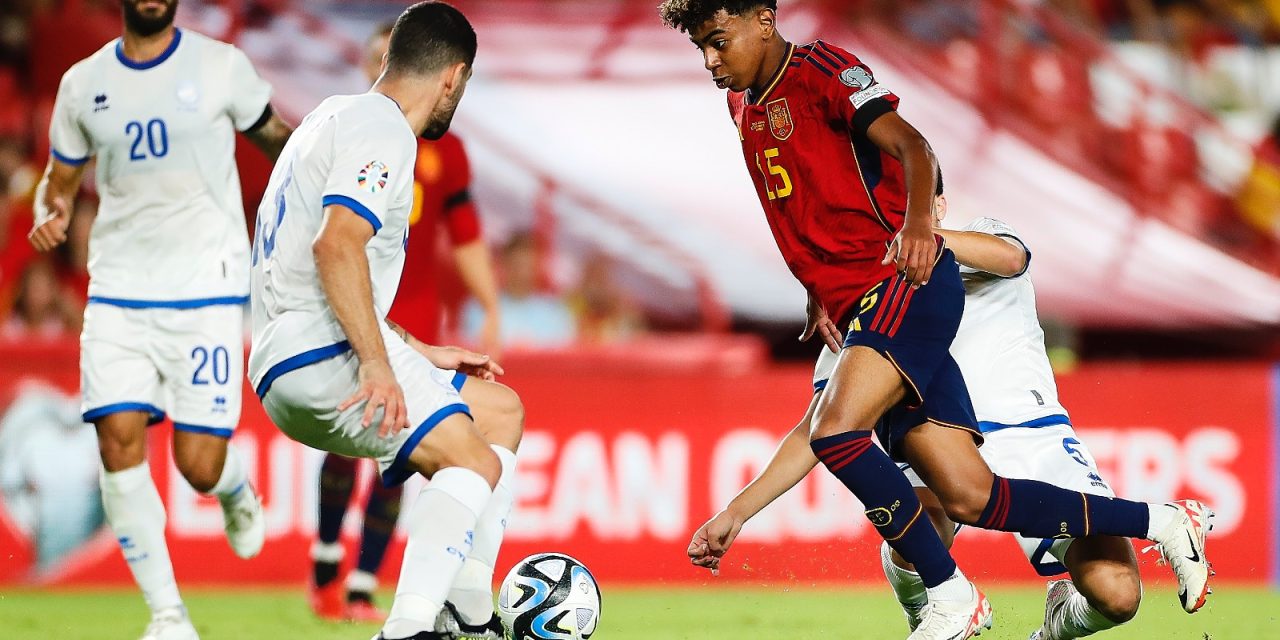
(270, 136)
(475, 267)
(914, 249)
(791, 462)
(343, 268)
(451, 358)
(986, 252)
(54, 196)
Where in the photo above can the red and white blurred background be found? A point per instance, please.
(1135, 154)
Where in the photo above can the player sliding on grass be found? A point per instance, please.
(333, 373)
(1000, 349)
(168, 273)
(840, 176)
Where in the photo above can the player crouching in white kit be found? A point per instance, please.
(168, 268)
(334, 374)
(1000, 351)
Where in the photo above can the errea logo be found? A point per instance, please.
(100, 103)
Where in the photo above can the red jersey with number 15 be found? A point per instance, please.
(833, 199)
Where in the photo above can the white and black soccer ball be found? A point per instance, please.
(549, 596)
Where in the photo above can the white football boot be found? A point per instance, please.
(170, 624)
(449, 624)
(1181, 546)
(1060, 591)
(244, 523)
(954, 620)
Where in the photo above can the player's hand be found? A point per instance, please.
(713, 539)
(820, 323)
(468, 362)
(913, 251)
(379, 390)
(51, 231)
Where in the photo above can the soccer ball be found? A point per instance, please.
(549, 596)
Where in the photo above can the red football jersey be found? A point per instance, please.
(441, 196)
(833, 199)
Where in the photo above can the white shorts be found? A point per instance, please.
(188, 363)
(302, 402)
(1049, 454)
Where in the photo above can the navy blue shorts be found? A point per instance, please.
(913, 329)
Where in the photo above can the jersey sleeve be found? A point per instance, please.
(250, 94)
(366, 160)
(1000, 229)
(460, 216)
(849, 89)
(68, 142)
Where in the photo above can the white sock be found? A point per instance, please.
(325, 552)
(1076, 619)
(907, 585)
(441, 528)
(233, 484)
(136, 515)
(953, 589)
(362, 581)
(1160, 517)
(472, 591)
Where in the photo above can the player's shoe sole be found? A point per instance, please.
(1182, 547)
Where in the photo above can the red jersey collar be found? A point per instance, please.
(777, 77)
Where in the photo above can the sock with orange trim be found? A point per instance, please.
(1041, 510)
(891, 503)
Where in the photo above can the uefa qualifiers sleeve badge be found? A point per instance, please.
(373, 177)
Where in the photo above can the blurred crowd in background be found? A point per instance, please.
(1217, 54)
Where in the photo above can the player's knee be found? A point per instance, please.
(965, 505)
(1121, 604)
(120, 451)
(477, 457)
(510, 419)
(830, 419)
(201, 471)
(1117, 597)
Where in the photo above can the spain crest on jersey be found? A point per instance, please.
(780, 123)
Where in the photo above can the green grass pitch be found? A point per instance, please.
(1233, 613)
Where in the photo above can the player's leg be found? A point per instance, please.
(200, 353)
(121, 395)
(499, 415)
(337, 482)
(382, 511)
(903, 579)
(863, 387)
(947, 459)
(462, 470)
(1104, 591)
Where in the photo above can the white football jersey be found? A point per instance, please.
(999, 347)
(170, 229)
(357, 151)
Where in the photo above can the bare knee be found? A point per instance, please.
(199, 459)
(964, 503)
(122, 441)
(480, 459)
(1118, 601)
(942, 523)
(508, 419)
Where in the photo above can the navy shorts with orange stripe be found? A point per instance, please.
(914, 329)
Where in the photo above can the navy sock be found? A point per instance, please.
(337, 478)
(379, 525)
(891, 503)
(1041, 510)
